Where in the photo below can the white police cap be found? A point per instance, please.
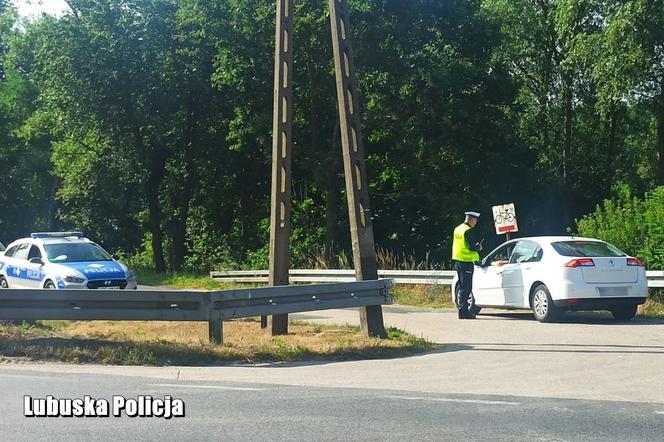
(473, 214)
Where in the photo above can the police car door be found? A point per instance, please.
(17, 266)
(34, 274)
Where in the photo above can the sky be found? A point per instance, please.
(31, 8)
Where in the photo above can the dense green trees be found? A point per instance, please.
(147, 122)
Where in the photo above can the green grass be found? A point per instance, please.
(185, 281)
(430, 296)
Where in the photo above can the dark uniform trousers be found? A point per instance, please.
(465, 272)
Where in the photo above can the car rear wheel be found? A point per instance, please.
(3, 283)
(624, 313)
(542, 305)
(49, 285)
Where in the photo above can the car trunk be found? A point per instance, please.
(610, 270)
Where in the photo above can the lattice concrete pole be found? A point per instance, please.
(361, 229)
(281, 156)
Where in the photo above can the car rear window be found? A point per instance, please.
(586, 249)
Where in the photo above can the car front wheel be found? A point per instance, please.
(542, 305)
(49, 285)
(3, 283)
(624, 313)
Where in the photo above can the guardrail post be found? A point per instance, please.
(361, 228)
(281, 156)
(216, 332)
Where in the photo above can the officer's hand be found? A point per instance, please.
(479, 247)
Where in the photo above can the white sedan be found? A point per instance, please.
(553, 274)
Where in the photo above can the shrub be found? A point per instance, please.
(632, 224)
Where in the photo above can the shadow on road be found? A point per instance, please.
(601, 318)
(551, 348)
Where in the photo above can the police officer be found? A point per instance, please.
(465, 250)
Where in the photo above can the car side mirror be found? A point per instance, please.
(36, 260)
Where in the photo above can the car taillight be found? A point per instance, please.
(582, 262)
(635, 262)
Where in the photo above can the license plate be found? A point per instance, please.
(613, 291)
(108, 288)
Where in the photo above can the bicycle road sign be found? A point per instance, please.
(504, 218)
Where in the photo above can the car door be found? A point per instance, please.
(17, 266)
(6, 262)
(34, 274)
(488, 278)
(515, 272)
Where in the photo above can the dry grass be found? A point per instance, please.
(185, 343)
(654, 306)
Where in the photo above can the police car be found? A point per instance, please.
(63, 260)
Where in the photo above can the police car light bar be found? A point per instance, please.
(57, 235)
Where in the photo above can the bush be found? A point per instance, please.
(634, 225)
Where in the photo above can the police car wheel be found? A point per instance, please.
(3, 283)
(49, 285)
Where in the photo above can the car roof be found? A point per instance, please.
(66, 240)
(550, 239)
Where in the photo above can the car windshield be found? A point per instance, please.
(2, 247)
(586, 249)
(75, 252)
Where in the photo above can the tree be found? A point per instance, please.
(630, 62)
(115, 72)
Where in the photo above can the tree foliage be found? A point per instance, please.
(148, 122)
(636, 225)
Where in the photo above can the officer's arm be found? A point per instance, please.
(471, 242)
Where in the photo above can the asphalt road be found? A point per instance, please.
(241, 411)
(503, 376)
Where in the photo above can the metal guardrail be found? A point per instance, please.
(320, 276)
(425, 277)
(213, 307)
(655, 278)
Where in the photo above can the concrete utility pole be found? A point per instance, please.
(361, 227)
(281, 157)
(364, 253)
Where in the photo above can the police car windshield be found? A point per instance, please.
(80, 252)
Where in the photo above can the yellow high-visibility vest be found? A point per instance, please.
(460, 250)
